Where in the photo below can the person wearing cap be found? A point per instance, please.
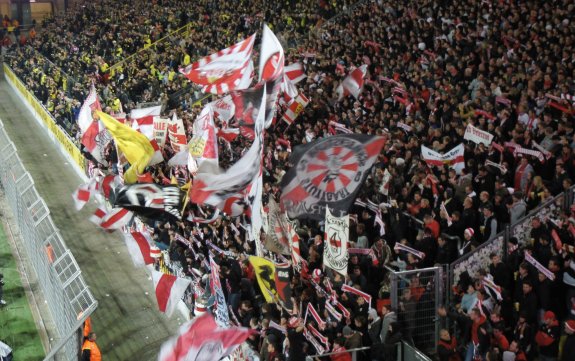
(469, 241)
(568, 352)
(352, 338)
(547, 338)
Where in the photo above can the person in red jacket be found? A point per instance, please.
(339, 351)
(480, 338)
(547, 338)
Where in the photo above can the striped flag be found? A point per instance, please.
(138, 244)
(294, 72)
(453, 158)
(295, 108)
(169, 290)
(227, 70)
(353, 83)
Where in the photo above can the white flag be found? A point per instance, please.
(335, 255)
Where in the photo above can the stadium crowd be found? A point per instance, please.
(434, 67)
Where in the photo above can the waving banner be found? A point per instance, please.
(335, 254)
(328, 173)
(221, 312)
(477, 135)
(454, 158)
(265, 273)
(228, 69)
(150, 199)
(283, 284)
(277, 237)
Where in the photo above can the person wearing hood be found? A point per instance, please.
(374, 326)
(389, 316)
(547, 338)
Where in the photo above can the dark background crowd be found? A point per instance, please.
(505, 67)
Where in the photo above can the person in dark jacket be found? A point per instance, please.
(528, 302)
(547, 338)
(569, 345)
(447, 347)
(394, 335)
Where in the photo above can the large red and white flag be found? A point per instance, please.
(204, 145)
(111, 220)
(295, 108)
(271, 56)
(201, 339)
(228, 190)
(169, 290)
(139, 244)
(95, 137)
(224, 109)
(353, 83)
(294, 72)
(454, 158)
(227, 70)
(335, 253)
(143, 120)
(177, 134)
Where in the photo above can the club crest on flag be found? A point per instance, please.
(328, 171)
(335, 254)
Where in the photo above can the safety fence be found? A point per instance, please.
(416, 295)
(479, 258)
(67, 296)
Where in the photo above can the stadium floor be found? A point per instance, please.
(17, 327)
(127, 322)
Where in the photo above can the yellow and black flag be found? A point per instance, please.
(265, 272)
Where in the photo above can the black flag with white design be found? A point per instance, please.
(150, 200)
(328, 173)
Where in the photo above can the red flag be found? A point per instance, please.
(228, 69)
(201, 339)
(138, 244)
(169, 290)
(143, 120)
(272, 56)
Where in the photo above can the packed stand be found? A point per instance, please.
(505, 68)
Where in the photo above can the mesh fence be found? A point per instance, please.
(67, 296)
(416, 295)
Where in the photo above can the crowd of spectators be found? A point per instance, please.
(434, 67)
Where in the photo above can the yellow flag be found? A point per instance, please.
(135, 146)
(265, 273)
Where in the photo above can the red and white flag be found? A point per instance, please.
(177, 134)
(138, 244)
(224, 109)
(227, 70)
(201, 339)
(335, 255)
(95, 137)
(112, 220)
(271, 56)
(294, 72)
(355, 291)
(295, 108)
(169, 290)
(353, 83)
(454, 158)
(143, 120)
(81, 196)
(204, 145)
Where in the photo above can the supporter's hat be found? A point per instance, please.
(548, 315)
(347, 331)
(293, 322)
(570, 324)
(469, 231)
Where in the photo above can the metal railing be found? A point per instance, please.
(477, 259)
(67, 296)
(417, 294)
